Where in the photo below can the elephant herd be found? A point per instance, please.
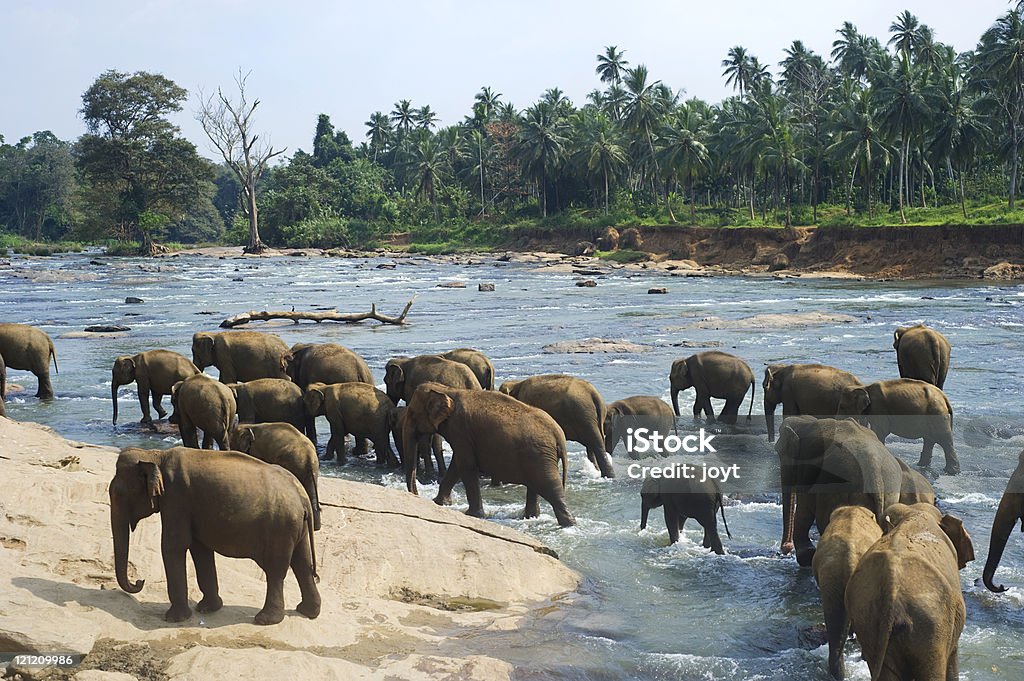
(882, 539)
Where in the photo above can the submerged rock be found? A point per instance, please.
(595, 345)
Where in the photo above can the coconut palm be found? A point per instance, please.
(539, 145)
(403, 116)
(601, 149)
(959, 130)
(487, 100)
(611, 65)
(643, 112)
(425, 117)
(859, 141)
(683, 151)
(739, 69)
(379, 131)
(426, 164)
(906, 35)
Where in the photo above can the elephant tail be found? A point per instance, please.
(53, 355)
(750, 410)
(312, 544)
(563, 454)
(721, 509)
(887, 621)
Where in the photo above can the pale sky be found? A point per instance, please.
(348, 59)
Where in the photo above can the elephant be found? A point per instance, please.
(284, 445)
(575, 405)
(240, 355)
(803, 389)
(326, 363)
(355, 408)
(26, 347)
(608, 240)
(272, 400)
(904, 599)
(477, 362)
(909, 408)
(914, 488)
(154, 372)
(202, 402)
(922, 353)
(491, 434)
(630, 239)
(685, 498)
(206, 505)
(1010, 511)
(826, 463)
(423, 454)
(403, 375)
(851, 532)
(713, 374)
(639, 411)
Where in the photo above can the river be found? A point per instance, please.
(646, 610)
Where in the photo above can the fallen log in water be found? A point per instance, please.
(330, 316)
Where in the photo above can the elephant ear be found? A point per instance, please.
(154, 482)
(314, 400)
(439, 407)
(860, 399)
(957, 533)
(680, 369)
(288, 362)
(174, 392)
(769, 376)
(393, 373)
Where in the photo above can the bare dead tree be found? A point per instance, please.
(229, 124)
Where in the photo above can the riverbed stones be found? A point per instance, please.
(658, 290)
(485, 287)
(452, 284)
(586, 283)
(595, 346)
(107, 328)
(132, 300)
(779, 261)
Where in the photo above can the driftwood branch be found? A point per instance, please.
(329, 316)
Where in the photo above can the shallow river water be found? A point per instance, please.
(646, 610)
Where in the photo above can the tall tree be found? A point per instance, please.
(611, 64)
(379, 131)
(230, 124)
(540, 143)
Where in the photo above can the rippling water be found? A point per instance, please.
(647, 610)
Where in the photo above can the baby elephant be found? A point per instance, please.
(284, 445)
(851, 532)
(908, 408)
(356, 408)
(905, 600)
(640, 411)
(272, 400)
(685, 498)
(207, 404)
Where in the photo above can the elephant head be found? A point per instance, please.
(203, 354)
(314, 400)
(174, 402)
(135, 493)
(854, 401)
(951, 526)
(897, 335)
(611, 414)
(396, 419)
(1009, 513)
(429, 407)
(680, 379)
(773, 386)
(650, 498)
(242, 438)
(291, 361)
(509, 387)
(394, 379)
(122, 373)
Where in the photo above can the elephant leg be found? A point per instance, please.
(189, 436)
(423, 460)
(953, 664)
(222, 441)
(144, 393)
(361, 448)
(45, 389)
(597, 455)
(926, 453)
(555, 495)
(532, 506)
(304, 571)
(838, 630)
(802, 529)
(705, 406)
(157, 398)
(206, 575)
(952, 462)
(177, 581)
(712, 540)
(273, 606)
(471, 481)
(730, 410)
(310, 430)
(438, 447)
(207, 440)
(672, 522)
(448, 482)
(697, 408)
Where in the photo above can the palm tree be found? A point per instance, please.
(644, 110)
(905, 32)
(738, 69)
(601, 149)
(379, 131)
(403, 116)
(959, 130)
(425, 117)
(488, 100)
(539, 146)
(683, 150)
(611, 65)
(426, 163)
(859, 141)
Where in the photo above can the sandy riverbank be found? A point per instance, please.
(400, 577)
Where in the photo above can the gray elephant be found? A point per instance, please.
(240, 355)
(490, 434)
(575, 405)
(914, 487)
(1009, 513)
(422, 456)
(908, 408)
(639, 411)
(206, 505)
(154, 373)
(272, 400)
(326, 363)
(803, 389)
(29, 349)
(685, 498)
(356, 408)
(827, 463)
(477, 362)
(922, 353)
(851, 532)
(713, 374)
(282, 444)
(204, 403)
(904, 598)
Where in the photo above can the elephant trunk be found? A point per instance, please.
(675, 400)
(645, 508)
(788, 521)
(410, 456)
(769, 419)
(1006, 517)
(121, 530)
(114, 385)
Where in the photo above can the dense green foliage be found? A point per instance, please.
(905, 130)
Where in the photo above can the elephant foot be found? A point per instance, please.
(924, 463)
(269, 616)
(475, 512)
(804, 557)
(443, 501)
(953, 468)
(178, 613)
(786, 548)
(310, 610)
(209, 604)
